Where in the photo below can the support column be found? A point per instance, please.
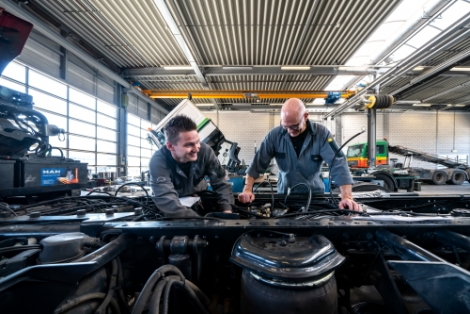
(371, 136)
(121, 101)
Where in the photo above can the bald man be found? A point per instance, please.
(299, 147)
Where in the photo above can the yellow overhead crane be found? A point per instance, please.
(231, 94)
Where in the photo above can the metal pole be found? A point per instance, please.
(371, 136)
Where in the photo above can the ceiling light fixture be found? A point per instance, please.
(177, 67)
(418, 69)
(459, 105)
(421, 105)
(464, 69)
(295, 68)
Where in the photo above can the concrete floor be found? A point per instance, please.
(429, 189)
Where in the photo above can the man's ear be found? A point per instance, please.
(170, 146)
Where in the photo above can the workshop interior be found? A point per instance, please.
(87, 87)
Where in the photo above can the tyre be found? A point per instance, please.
(388, 182)
(439, 177)
(458, 177)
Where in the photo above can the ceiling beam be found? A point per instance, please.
(249, 95)
(435, 70)
(146, 73)
(251, 70)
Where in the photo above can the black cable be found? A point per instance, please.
(68, 198)
(148, 287)
(134, 183)
(238, 208)
(333, 162)
(154, 306)
(98, 191)
(192, 296)
(166, 295)
(119, 283)
(60, 150)
(112, 286)
(96, 295)
(143, 216)
(309, 194)
(19, 248)
(272, 191)
(7, 207)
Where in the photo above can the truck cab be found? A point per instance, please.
(357, 154)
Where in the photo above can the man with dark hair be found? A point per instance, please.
(178, 169)
(299, 147)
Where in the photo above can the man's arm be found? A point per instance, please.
(247, 195)
(216, 174)
(258, 165)
(165, 196)
(347, 201)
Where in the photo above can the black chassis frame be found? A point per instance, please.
(428, 251)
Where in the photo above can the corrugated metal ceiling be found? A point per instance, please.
(134, 34)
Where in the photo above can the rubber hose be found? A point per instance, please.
(154, 307)
(201, 296)
(121, 292)
(147, 289)
(97, 295)
(112, 286)
(192, 296)
(166, 295)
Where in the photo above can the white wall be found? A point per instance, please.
(430, 132)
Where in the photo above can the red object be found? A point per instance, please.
(100, 181)
(13, 35)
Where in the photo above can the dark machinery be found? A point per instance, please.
(116, 255)
(26, 165)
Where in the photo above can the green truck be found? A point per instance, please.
(399, 174)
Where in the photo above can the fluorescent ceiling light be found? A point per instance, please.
(421, 105)
(300, 68)
(237, 68)
(466, 69)
(459, 105)
(418, 69)
(178, 67)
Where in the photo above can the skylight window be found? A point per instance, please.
(407, 15)
(451, 15)
(425, 35)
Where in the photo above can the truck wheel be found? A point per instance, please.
(439, 177)
(388, 182)
(458, 177)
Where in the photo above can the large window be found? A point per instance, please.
(139, 149)
(90, 123)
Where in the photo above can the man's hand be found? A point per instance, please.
(246, 197)
(227, 211)
(349, 203)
